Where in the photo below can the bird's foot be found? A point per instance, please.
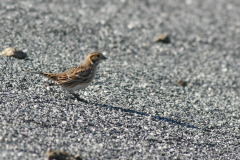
(78, 98)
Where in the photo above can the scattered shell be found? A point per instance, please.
(182, 83)
(14, 52)
(61, 155)
(163, 38)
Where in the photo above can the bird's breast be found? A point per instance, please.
(76, 87)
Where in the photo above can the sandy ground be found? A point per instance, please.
(135, 108)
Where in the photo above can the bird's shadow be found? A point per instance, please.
(152, 117)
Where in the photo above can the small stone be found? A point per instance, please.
(182, 83)
(78, 157)
(14, 52)
(163, 38)
(61, 155)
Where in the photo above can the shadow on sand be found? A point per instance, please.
(153, 117)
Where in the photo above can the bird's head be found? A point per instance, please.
(96, 57)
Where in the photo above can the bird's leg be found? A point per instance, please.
(76, 96)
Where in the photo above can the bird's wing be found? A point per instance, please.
(76, 74)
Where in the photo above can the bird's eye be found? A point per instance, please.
(98, 56)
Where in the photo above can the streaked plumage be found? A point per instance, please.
(78, 77)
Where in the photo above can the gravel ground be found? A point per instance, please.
(136, 110)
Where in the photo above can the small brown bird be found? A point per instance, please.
(78, 77)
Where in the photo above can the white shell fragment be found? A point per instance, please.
(14, 52)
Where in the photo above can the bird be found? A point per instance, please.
(78, 77)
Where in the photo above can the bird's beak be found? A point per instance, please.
(104, 58)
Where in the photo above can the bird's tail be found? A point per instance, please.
(50, 84)
(48, 75)
(41, 73)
